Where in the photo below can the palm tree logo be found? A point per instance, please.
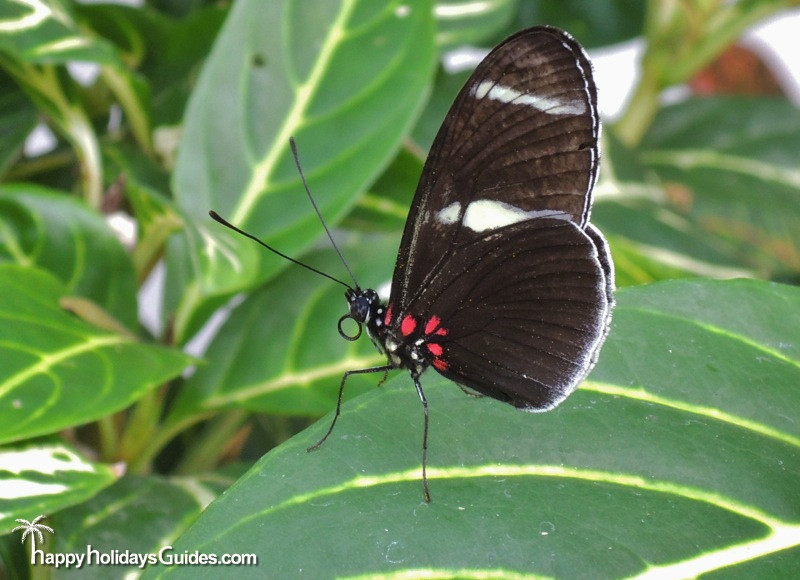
(33, 528)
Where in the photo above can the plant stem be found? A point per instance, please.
(108, 437)
(153, 446)
(682, 38)
(139, 430)
(150, 248)
(122, 84)
(204, 454)
(641, 111)
(46, 89)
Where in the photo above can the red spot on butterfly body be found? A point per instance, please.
(388, 320)
(436, 349)
(408, 325)
(440, 364)
(432, 323)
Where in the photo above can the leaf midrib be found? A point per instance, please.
(51, 359)
(303, 94)
(694, 158)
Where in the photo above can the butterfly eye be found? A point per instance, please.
(343, 334)
(359, 306)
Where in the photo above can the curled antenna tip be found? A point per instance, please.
(218, 218)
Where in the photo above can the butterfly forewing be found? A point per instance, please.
(519, 141)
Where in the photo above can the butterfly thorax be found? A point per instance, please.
(407, 341)
(366, 308)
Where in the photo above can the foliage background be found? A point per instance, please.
(680, 454)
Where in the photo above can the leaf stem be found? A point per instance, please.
(108, 437)
(205, 453)
(153, 446)
(142, 424)
(46, 88)
(682, 38)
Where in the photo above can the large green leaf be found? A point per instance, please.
(45, 228)
(42, 477)
(56, 371)
(345, 78)
(731, 165)
(679, 456)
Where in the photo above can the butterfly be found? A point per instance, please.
(501, 284)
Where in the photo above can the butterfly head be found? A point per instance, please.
(362, 305)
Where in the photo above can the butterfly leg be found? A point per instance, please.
(470, 392)
(426, 492)
(385, 368)
(385, 376)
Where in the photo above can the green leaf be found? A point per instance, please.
(158, 220)
(731, 163)
(173, 68)
(651, 237)
(36, 39)
(679, 456)
(385, 206)
(45, 32)
(459, 23)
(56, 371)
(593, 22)
(44, 477)
(444, 93)
(139, 514)
(131, 89)
(650, 242)
(45, 228)
(17, 120)
(165, 51)
(346, 80)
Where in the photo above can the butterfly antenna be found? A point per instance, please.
(316, 209)
(214, 215)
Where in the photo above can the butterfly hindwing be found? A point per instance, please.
(530, 314)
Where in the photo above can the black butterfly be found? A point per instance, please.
(501, 283)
